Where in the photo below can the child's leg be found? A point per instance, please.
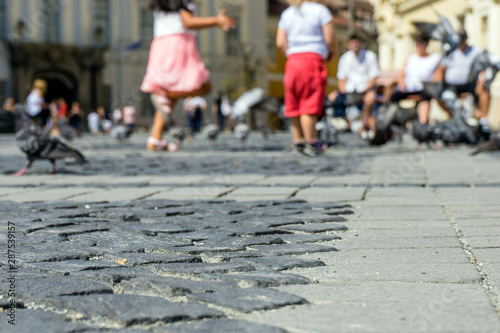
(296, 129)
(164, 107)
(205, 89)
(308, 124)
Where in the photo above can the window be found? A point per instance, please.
(51, 10)
(101, 22)
(233, 41)
(3, 19)
(146, 27)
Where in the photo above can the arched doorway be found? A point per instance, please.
(60, 84)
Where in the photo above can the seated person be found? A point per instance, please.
(357, 73)
(419, 67)
(454, 70)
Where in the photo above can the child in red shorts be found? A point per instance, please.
(306, 36)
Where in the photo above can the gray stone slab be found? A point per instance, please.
(293, 249)
(349, 243)
(170, 287)
(116, 194)
(365, 272)
(480, 231)
(137, 259)
(261, 279)
(381, 317)
(41, 321)
(317, 194)
(264, 191)
(69, 266)
(299, 239)
(194, 269)
(221, 325)
(250, 299)
(314, 228)
(130, 310)
(401, 214)
(280, 263)
(54, 286)
(490, 255)
(401, 233)
(111, 276)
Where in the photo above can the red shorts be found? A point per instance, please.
(305, 84)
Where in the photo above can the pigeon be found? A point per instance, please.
(442, 31)
(121, 132)
(37, 144)
(265, 130)
(246, 101)
(242, 132)
(423, 133)
(211, 131)
(180, 133)
(484, 61)
(493, 144)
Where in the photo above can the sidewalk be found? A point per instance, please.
(421, 252)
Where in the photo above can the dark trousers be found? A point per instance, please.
(194, 120)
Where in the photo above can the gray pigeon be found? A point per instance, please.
(493, 144)
(242, 132)
(211, 131)
(180, 133)
(442, 31)
(37, 144)
(121, 133)
(484, 61)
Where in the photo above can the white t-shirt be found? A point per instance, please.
(93, 121)
(458, 65)
(129, 114)
(170, 23)
(420, 69)
(34, 102)
(304, 28)
(357, 71)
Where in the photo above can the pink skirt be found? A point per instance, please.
(174, 65)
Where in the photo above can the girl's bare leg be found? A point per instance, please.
(162, 116)
(423, 110)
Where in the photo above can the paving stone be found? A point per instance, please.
(261, 279)
(194, 269)
(292, 249)
(170, 287)
(137, 259)
(153, 229)
(38, 320)
(70, 230)
(315, 228)
(280, 263)
(319, 218)
(130, 310)
(301, 239)
(250, 299)
(221, 325)
(69, 266)
(54, 286)
(111, 276)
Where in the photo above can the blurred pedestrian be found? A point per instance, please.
(94, 123)
(194, 107)
(306, 36)
(75, 117)
(419, 67)
(175, 69)
(357, 74)
(129, 117)
(9, 104)
(117, 115)
(35, 103)
(220, 110)
(63, 111)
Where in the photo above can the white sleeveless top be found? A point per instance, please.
(170, 23)
(420, 69)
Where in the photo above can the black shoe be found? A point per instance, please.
(313, 149)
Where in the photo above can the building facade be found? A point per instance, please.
(480, 18)
(96, 51)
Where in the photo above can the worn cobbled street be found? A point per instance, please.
(226, 237)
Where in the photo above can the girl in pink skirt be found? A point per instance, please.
(175, 69)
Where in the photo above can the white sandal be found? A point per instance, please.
(160, 145)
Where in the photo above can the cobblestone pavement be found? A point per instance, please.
(230, 238)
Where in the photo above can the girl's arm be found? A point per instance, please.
(196, 23)
(330, 40)
(281, 41)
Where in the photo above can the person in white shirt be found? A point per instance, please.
(35, 103)
(418, 68)
(357, 74)
(454, 70)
